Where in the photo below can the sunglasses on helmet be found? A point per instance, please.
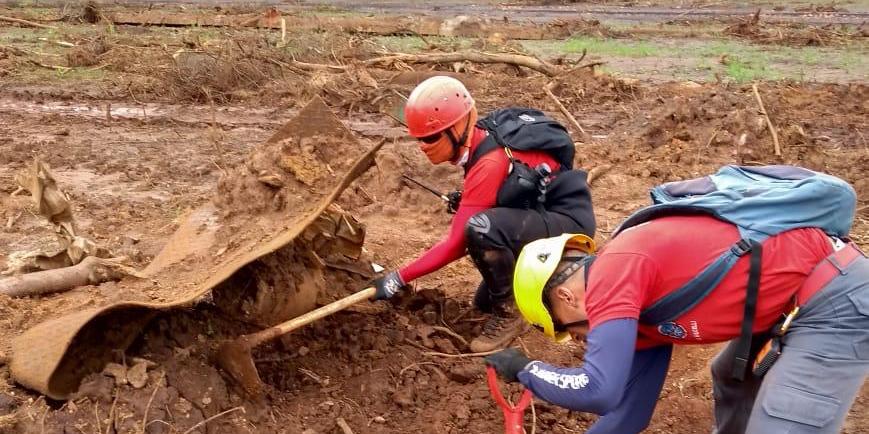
(432, 138)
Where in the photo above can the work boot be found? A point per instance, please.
(500, 329)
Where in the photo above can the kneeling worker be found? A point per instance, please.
(519, 186)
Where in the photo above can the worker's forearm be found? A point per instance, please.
(449, 249)
(597, 386)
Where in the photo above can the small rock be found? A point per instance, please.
(424, 331)
(8, 404)
(129, 240)
(119, 372)
(690, 85)
(404, 397)
(183, 406)
(464, 373)
(96, 387)
(430, 317)
(379, 419)
(445, 345)
(206, 400)
(138, 375)
(149, 364)
(271, 180)
(303, 351)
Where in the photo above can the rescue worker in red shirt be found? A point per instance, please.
(563, 289)
(441, 114)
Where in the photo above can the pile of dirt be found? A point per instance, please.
(87, 54)
(267, 189)
(593, 28)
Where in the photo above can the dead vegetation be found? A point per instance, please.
(755, 29)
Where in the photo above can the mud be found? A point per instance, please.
(133, 173)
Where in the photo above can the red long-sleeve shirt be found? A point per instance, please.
(479, 193)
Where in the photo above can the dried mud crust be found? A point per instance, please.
(367, 365)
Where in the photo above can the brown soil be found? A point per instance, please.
(133, 174)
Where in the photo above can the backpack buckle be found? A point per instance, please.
(741, 247)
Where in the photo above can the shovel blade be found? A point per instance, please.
(235, 358)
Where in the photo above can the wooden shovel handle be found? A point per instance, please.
(303, 320)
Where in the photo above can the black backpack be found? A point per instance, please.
(524, 129)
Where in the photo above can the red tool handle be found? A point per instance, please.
(513, 416)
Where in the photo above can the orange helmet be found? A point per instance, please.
(435, 105)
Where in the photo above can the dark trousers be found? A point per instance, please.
(496, 236)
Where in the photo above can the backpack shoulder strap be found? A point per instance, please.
(488, 144)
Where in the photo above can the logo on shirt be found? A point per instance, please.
(526, 118)
(562, 381)
(672, 330)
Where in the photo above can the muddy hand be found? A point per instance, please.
(388, 285)
(508, 363)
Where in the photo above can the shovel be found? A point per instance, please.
(513, 416)
(235, 357)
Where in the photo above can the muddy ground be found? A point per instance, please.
(137, 147)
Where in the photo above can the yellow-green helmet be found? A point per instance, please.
(535, 265)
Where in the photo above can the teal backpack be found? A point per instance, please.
(761, 201)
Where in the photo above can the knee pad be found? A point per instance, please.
(477, 232)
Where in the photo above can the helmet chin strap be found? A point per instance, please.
(457, 143)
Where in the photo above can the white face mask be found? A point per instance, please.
(464, 159)
(466, 154)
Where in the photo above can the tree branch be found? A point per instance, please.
(90, 271)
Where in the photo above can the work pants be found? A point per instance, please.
(824, 362)
(496, 236)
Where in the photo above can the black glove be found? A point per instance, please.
(454, 198)
(508, 363)
(388, 285)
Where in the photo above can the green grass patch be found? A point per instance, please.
(613, 47)
(742, 71)
(704, 58)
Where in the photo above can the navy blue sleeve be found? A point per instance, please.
(648, 371)
(598, 385)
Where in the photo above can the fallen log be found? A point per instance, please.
(90, 271)
(25, 23)
(529, 62)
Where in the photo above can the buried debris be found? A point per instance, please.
(268, 236)
(78, 262)
(235, 357)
